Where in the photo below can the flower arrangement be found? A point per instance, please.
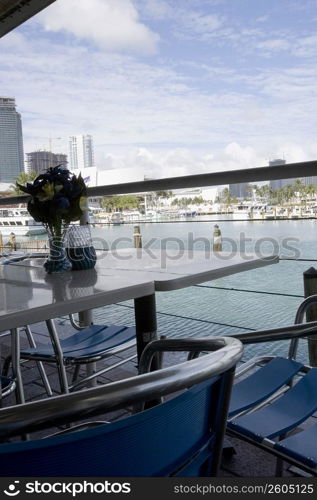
(58, 198)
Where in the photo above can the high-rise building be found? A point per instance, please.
(81, 152)
(40, 161)
(239, 190)
(279, 183)
(11, 141)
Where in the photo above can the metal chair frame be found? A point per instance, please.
(191, 377)
(299, 330)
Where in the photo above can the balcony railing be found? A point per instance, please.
(288, 171)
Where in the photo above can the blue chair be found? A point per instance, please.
(271, 407)
(85, 346)
(180, 437)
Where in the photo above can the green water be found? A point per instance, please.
(198, 311)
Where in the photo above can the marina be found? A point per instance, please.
(237, 303)
(158, 266)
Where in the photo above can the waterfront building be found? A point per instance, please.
(11, 141)
(239, 190)
(81, 152)
(40, 161)
(280, 183)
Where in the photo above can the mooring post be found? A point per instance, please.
(137, 237)
(217, 239)
(310, 288)
(12, 242)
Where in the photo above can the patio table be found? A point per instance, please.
(30, 295)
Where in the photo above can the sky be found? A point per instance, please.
(176, 86)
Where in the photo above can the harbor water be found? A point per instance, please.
(258, 299)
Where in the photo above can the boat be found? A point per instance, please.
(116, 218)
(19, 222)
(250, 211)
(131, 216)
(152, 215)
(242, 211)
(187, 213)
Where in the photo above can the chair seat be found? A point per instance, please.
(91, 342)
(301, 446)
(259, 386)
(284, 414)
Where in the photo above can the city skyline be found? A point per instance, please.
(175, 86)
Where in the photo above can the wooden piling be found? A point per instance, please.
(310, 288)
(217, 239)
(12, 242)
(137, 237)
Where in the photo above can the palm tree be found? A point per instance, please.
(23, 178)
(299, 189)
(311, 190)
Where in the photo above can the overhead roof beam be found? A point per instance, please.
(15, 12)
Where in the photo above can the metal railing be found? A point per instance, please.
(288, 171)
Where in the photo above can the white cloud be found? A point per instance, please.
(112, 25)
(306, 47)
(274, 44)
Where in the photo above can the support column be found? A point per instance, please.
(310, 288)
(145, 324)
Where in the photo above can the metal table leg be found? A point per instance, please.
(16, 367)
(146, 324)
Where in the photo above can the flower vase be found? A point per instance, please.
(79, 248)
(57, 261)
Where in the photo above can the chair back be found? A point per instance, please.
(180, 437)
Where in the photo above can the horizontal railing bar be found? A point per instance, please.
(288, 171)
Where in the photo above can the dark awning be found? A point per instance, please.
(15, 12)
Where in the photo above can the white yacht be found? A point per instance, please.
(249, 211)
(19, 222)
(242, 211)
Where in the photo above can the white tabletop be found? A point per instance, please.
(29, 295)
(172, 269)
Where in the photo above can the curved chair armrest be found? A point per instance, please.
(174, 345)
(116, 395)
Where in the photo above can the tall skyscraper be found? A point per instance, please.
(279, 183)
(81, 152)
(239, 190)
(40, 161)
(11, 141)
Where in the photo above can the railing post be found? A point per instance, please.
(310, 288)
